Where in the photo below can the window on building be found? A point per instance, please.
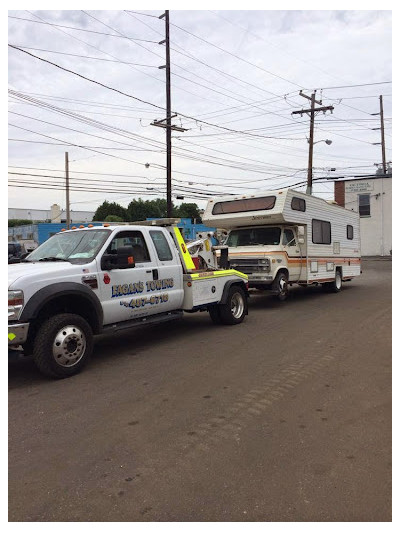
(298, 204)
(350, 232)
(321, 232)
(364, 205)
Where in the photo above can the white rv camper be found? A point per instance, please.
(283, 237)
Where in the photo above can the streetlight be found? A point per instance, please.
(310, 158)
(326, 141)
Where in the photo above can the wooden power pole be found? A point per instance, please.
(382, 135)
(166, 122)
(311, 113)
(67, 207)
(382, 128)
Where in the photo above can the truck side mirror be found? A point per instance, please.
(122, 259)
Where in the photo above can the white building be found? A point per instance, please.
(372, 197)
(54, 214)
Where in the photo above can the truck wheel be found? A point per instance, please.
(281, 286)
(335, 286)
(235, 308)
(63, 345)
(215, 314)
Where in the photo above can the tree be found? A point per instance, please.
(188, 210)
(110, 208)
(12, 223)
(142, 209)
(113, 218)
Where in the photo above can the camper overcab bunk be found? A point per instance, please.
(283, 237)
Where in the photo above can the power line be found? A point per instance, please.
(86, 78)
(96, 147)
(196, 59)
(85, 57)
(113, 89)
(236, 56)
(355, 85)
(80, 29)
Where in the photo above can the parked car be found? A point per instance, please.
(15, 251)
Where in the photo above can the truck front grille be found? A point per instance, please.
(248, 266)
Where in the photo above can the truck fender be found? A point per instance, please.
(228, 285)
(56, 290)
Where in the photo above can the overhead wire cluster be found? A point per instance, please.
(234, 169)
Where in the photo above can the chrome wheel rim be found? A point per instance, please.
(237, 305)
(338, 280)
(69, 346)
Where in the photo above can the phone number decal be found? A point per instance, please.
(142, 302)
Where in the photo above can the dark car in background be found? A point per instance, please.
(15, 251)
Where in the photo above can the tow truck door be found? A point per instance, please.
(170, 271)
(123, 291)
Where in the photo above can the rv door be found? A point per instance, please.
(291, 247)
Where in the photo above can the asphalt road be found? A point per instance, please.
(286, 417)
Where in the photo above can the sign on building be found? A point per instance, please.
(357, 186)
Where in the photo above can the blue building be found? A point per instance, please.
(190, 229)
(42, 231)
(39, 232)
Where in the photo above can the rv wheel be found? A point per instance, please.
(281, 286)
(336, 285)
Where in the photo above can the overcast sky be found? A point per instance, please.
(236, 78)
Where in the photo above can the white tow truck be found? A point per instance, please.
(87, 281)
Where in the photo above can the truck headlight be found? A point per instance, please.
(264, 264)
(15, 304)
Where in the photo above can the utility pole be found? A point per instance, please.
(384, 169)
(311, 113)
(382, 135)
(166, 122)
(382, 128)
(67, 209)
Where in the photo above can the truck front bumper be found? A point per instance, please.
(17, 333)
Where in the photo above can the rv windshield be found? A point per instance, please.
(253, 236)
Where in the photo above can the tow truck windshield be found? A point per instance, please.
(254, 236)
(73, 246)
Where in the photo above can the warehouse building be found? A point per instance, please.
(371, 196)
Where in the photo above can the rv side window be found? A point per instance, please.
(298, 204)
(243, 205)
(350, 232)
(321, 232)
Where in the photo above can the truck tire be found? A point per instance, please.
(281, 286)
(214, 314)
(63, 345)
(235, 308)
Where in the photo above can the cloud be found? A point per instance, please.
(231, 70)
